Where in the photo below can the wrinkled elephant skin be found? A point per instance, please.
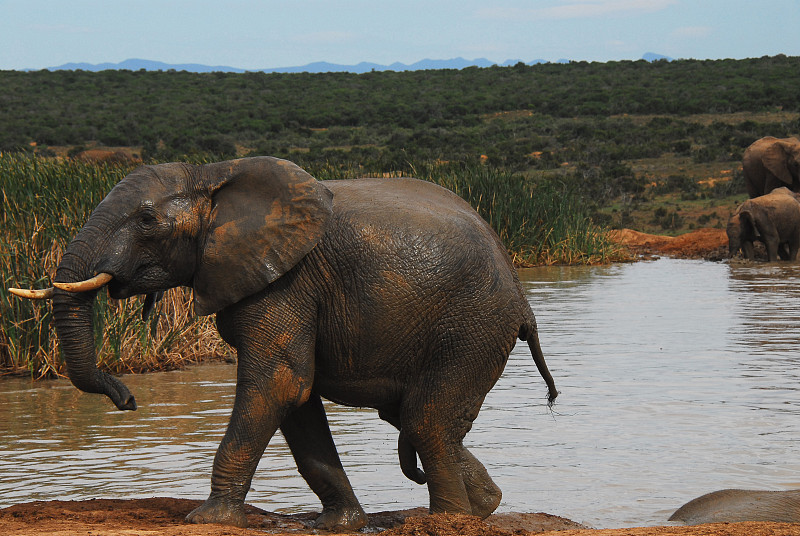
(773, 219)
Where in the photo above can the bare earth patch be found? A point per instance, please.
(165, 517)
(709, 244)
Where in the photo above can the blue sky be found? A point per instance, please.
(253, 34)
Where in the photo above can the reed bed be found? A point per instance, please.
(46, 201)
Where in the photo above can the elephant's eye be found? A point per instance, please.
(147, 220)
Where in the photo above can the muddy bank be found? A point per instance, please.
(164, 517)
(709, 244)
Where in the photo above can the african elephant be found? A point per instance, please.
(392, 294)
(770, 163)
(774, 219)
(735, 505)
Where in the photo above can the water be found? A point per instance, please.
(676, 378)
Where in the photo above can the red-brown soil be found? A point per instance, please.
(165, 517)
(709, 244)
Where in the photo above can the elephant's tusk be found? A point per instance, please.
(42, 294)
(84, 286)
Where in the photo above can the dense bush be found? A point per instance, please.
(508, 114)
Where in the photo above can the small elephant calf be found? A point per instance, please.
(773, 219)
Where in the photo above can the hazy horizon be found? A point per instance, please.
(257, 35)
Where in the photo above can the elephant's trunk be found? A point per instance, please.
(72, 313)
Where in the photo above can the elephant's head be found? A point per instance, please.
(742, 231)
(734, 231)
(226, 229)
(782, 159)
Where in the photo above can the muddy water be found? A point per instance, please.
(676, 378)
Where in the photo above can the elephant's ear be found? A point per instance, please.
(775, 160)
(266, 215)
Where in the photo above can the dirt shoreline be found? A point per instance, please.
(165, 517)
(707, 243)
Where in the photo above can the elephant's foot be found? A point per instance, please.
(346, 518)
(219, 511)
(484, 500)
(447, 491)
(484, 495)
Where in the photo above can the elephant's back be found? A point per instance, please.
(400, 202)
(420, 231)
(738, 505)
(418, 217)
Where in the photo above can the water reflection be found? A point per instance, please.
(676, 378)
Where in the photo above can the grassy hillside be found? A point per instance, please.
(614, 130)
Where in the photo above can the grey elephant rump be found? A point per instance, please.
(398, 272)
(737, 505)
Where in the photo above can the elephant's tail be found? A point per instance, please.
(529, 333)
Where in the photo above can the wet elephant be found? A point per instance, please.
(385, 293)
(773, 219)
(735, 505)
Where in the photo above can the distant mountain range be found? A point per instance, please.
(316, 67)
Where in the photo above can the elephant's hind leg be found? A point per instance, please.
(457, 482)
(309, 437)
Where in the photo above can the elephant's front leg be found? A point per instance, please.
(788, 251)
(309, 437)
(267, 390)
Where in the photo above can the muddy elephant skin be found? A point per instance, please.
(773, 219)
(736, 505)
(392, 294)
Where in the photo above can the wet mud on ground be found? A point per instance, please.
(165, 517)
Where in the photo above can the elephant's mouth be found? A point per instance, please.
(145, 279)
(117, 289)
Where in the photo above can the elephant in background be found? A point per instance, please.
(385, 293)
(773, 219)
(736, 505)
(741, 238)
(771, 163)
